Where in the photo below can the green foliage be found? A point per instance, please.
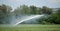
(56, 17)
(4, 13)
(27, 10)
(33, 9)
(53, 18)
(5, 9)
(46, 10)
(22, 10)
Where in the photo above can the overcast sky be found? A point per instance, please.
(38, 3)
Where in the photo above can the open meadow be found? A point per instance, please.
(30, 27)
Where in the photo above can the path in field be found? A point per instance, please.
(32, 27)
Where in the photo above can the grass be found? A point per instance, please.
(31, 27)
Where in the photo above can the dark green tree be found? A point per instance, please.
(46, 10)
(33, 9)
(57, 16)
(4, 12)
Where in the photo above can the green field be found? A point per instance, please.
(30, 27)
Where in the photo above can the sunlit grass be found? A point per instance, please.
(31, 27)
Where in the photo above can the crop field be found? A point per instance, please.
(30, 27)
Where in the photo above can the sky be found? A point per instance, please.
(38, 3)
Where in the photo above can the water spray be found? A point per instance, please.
(29, 18)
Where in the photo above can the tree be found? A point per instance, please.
(38, 11)
(46, 10)
(4, 12)
(23, 9)
(33, 9)
(57, 15)
(54, 18)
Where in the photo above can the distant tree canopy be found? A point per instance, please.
(56, 17)
(4, 12)
(28, 10)
(53, 18)
(46, 10)
(5, 9)
(33, 10)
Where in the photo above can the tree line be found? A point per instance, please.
(54, 18)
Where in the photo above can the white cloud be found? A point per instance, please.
(15, 0)
(54, 1)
